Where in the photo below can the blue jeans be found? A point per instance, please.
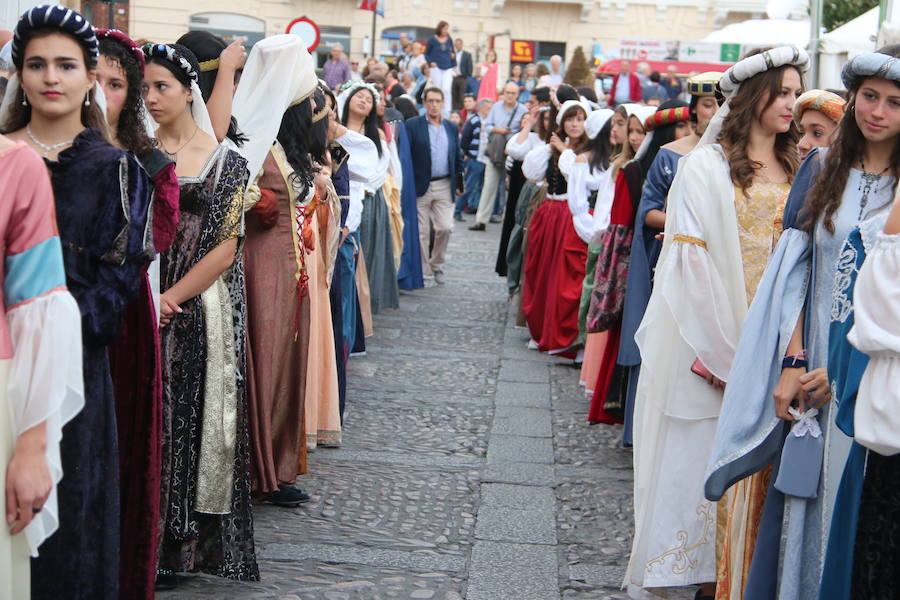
(473, 179)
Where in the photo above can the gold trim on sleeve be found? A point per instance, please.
(689, 240)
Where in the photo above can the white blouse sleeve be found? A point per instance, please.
(381, 170)
(579, 205)
(566, 162)
(362, 160)
(606, 192)
(354, 210)
(518, 151)
(534, 167)
(876, 305)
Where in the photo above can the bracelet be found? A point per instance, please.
(793, 362)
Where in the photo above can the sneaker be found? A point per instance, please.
(439, 277)
(496, 219)
(477, 227)
(287, 496)
(458, 217)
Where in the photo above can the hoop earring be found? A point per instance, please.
(87, 99)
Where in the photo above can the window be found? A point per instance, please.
(329, 37)
(229, 26)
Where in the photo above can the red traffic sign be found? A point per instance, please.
(308, 31)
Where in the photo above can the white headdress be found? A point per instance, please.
(596, 120)
(279, 73)
(349, 88)
(743, 70)
(569, 105)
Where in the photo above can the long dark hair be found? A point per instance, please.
(372, 123)
(740, 119)
(600, 148)
(578, 145)
(304, 142)
(825, 195)
(208, 46)
(661, 136)
(131, 132)
(19, 116)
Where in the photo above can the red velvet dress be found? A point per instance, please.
(137, 383)
(608, 297)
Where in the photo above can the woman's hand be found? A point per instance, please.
(168, 308)
(788, 389)
(816, 388)
(28, 481)
(528, 121)
(557, 143)
(234, 56)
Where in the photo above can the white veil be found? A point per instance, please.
(279, 73)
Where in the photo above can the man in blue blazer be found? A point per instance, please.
(437, 166)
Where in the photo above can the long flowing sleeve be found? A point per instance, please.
(581, 183)
(876, 332)
(104, 287)
(534, 167)
(566, 162)
(44, 327)
(362, 159)
(518, 151)
(606, 194)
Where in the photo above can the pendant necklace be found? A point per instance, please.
(174, 155)
(866, 183)
(45, 147)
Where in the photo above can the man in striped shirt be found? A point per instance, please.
(474, 170)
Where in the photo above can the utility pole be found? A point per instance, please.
(374, 13)
(815, 34)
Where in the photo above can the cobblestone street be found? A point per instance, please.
(467, 471)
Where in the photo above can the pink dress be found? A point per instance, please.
(488, 87)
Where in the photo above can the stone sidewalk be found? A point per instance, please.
(467, 471)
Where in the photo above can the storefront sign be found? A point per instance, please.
(521, 51)
(645, 49)
(710, 52)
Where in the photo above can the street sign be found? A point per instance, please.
(307, 30)
(521, 51)
(711, 52)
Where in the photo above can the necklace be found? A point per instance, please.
(174, 155)
(866, 182)
(45, 147)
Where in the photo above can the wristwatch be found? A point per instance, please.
(793, 362)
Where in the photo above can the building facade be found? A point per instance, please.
(556, 27)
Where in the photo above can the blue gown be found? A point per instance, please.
(102, 201)
(409, 275)
(644, 253)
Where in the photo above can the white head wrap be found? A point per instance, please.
(870, 64)
(745, 69)
(596, 120)
(278, 74)
(569, 105)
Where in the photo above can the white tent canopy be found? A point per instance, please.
(763, 32)
(845, 42)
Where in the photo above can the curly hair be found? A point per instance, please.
(19, 116)
(130, 132)
(744, 114)
(304, 142)
(825, 196)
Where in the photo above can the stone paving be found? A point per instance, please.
(468, 469)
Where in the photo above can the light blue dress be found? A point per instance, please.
(801, 272)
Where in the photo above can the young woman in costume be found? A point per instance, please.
(817, 115)
(368, 210)
(207, 515)
(102, 197)
(723, 219)
(848, 185)
(554, 262)
(135, 356)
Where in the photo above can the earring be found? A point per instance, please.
(87, 99)
(24, 99)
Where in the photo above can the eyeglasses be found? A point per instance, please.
(354, 64)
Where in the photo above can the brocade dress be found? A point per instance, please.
(102, 199)
(207, 512)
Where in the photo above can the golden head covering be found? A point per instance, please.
(828, 103)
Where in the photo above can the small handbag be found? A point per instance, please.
(496, 151)
(801, 458)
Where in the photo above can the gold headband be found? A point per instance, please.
(209, 65)
(321, 114)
